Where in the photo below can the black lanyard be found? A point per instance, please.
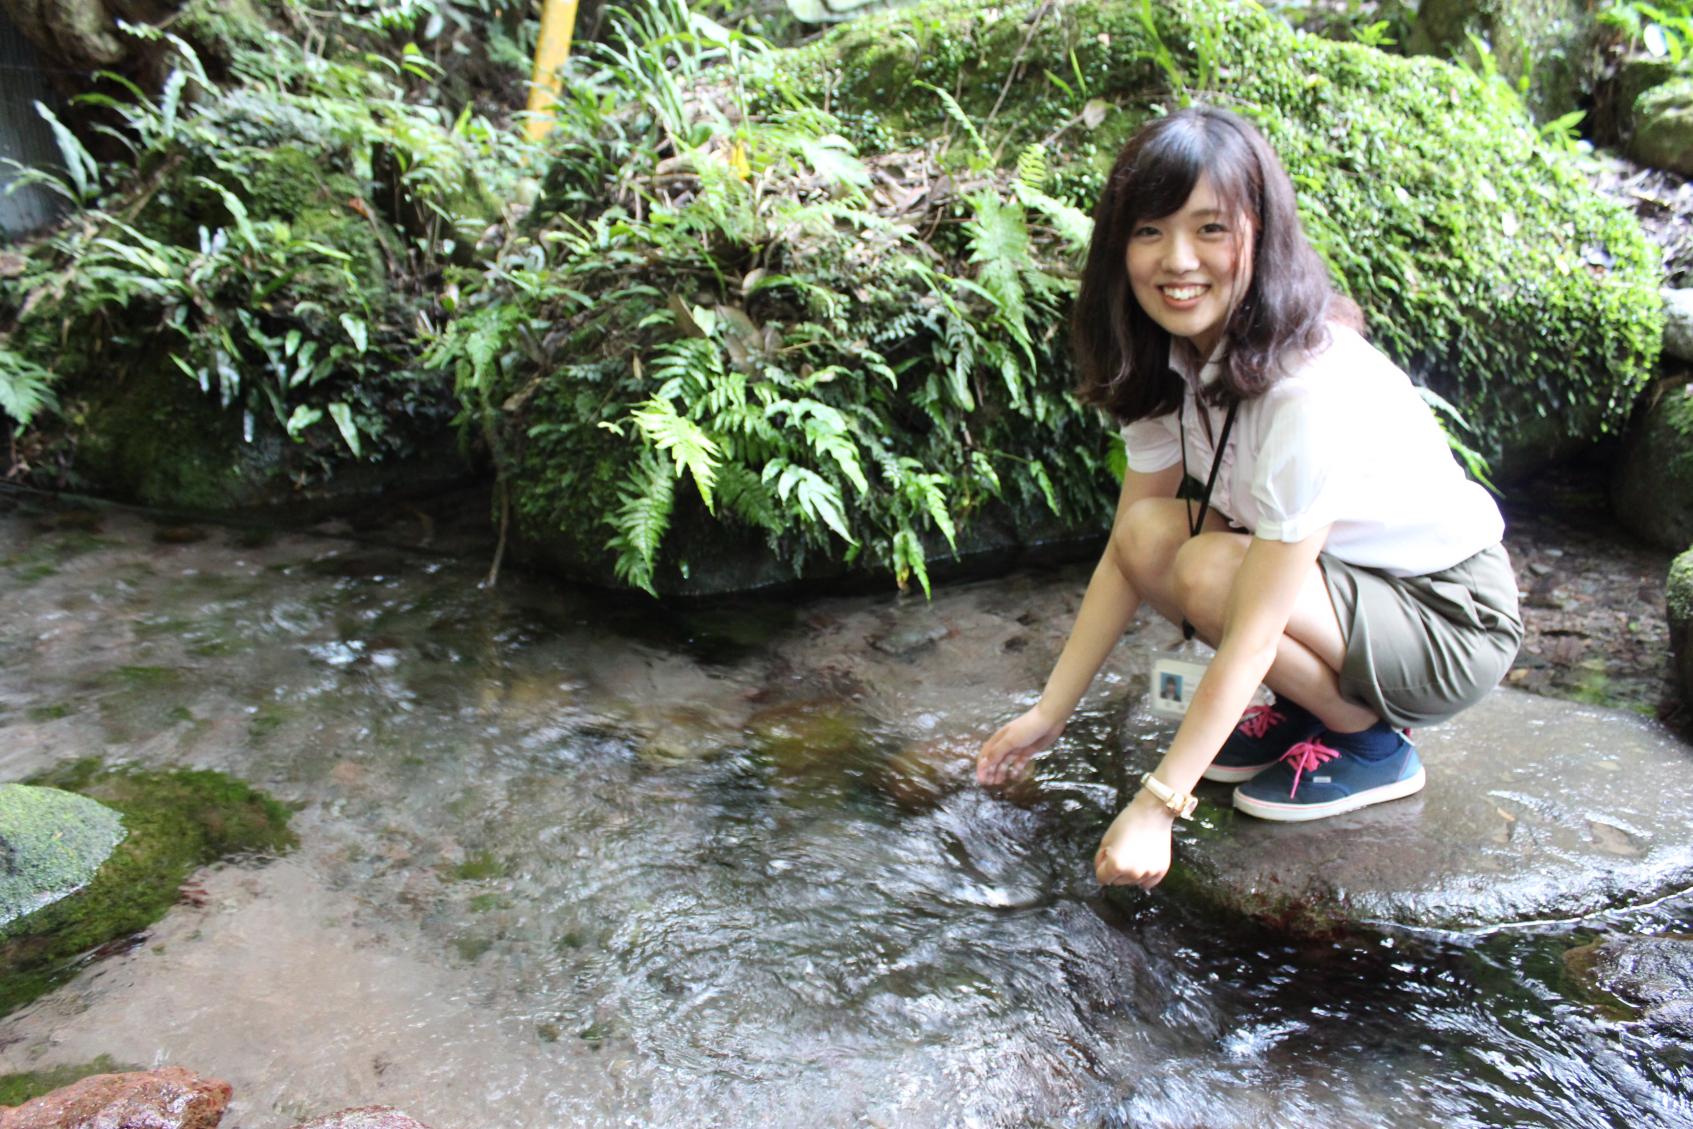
(1195, 524)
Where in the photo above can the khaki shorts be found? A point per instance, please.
(1421, 648)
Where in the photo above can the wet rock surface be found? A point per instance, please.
(365, 1117)
(52, 843)
(1535, 810)
(1593, 605)
(1653, 973)
(169, 1098)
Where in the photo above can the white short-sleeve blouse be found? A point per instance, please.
(1342, 440)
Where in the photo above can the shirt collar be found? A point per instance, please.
(1182, 359)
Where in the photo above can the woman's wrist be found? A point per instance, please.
(1051, 714)
(1147, 804)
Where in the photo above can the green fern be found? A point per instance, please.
(26, 389)
(640, 521)
(690, 447)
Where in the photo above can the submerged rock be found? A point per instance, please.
(51, 844)
(1535, 810)
(176, 821)
(169, 1098)
(364, 1117)
(1653, 973)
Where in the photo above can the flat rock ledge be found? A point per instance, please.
(1535, 810)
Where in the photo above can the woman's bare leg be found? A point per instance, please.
(1188, 576)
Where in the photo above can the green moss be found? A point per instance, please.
(1678, 590)
(52, 842)
(1663, 126)
(177, 820)
(478, 868)
(16, 1089)
(1542, 45)
(470, 949)
(145, 677)
(50, 713)
(1484, 262)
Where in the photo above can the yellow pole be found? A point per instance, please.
(558, 19)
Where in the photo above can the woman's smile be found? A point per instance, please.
(1186, 268)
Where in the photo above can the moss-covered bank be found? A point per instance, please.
(176, 821)
(1678, 595)
(1484, 263)
(1652, 488)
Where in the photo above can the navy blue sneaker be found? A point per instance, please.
(1314, 781)
(1262, 738)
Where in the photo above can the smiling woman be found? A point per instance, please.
(1339, 554)
(1186, 267)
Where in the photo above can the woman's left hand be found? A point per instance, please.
(1136, 847)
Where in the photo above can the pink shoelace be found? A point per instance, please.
(1305, 757)
(1256, 721)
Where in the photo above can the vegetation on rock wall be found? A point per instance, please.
(810, 299)
(721, 305)
(1482, 260)
(252, 283)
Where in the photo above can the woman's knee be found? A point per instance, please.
(1146, 539)
(1201, 574)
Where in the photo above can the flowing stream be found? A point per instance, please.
(569, 859)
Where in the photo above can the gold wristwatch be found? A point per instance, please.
(1179, 804)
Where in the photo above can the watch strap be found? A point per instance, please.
(1179, 804)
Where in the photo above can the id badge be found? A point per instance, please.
(1175, 678)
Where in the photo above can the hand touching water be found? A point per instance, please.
(1136, 847)
(1006, 754)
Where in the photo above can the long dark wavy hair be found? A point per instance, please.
(1122, 354)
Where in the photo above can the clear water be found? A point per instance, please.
(575, 860)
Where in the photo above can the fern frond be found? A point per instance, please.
(25, 388)
(687, 443)
(909, 559)
(1073, 225)
(643, 515)
(811, 495)
(1031, 168)
(957, 114)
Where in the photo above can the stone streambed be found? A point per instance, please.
(572, 860)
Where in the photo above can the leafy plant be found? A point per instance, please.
(1663, 30)
(722, 323)
(245, 244)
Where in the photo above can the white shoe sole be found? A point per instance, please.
(1300, 813)
(1224, 774)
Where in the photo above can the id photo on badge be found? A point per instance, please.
(1174, 680)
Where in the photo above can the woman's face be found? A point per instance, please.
(1187, 269)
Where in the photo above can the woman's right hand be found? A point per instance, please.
(1005, 755)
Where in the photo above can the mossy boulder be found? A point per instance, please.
(1484, 262)
(1652, 487)
(177, 820)
(1663, 126)
(51, 844)
(1544, 45)
(1678, 596)
(139, 428)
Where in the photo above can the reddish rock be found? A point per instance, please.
(171, 1098)
(364, 1117)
